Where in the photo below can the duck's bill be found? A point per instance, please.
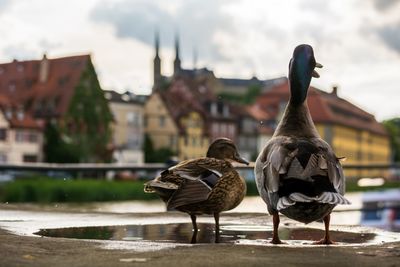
(241, 160)
(315, 74)
(318, 65)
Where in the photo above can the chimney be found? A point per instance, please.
(334, 90)
(44, 69)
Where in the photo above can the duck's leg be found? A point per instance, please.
(326, 240)
(195, 229)
(275, 235)
(216, 217)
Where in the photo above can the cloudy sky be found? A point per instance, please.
(357, 41)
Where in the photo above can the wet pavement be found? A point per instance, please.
(78, 235)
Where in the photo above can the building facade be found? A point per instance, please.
(65, 93)
(352, 132)
(128, 130)
(160, 126)
(21, 139)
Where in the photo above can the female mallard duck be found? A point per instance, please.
(207, 185)
(297, 172)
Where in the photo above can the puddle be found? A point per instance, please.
(182, 233)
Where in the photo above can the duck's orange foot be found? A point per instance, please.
(324, 241)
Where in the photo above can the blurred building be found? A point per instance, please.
(21, 137)
(176, 120)
(352, 132)
(65, 92)
(128, 129)
(160, 125)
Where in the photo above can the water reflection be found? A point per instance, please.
(182, 233)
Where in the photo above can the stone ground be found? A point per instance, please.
(19, 247)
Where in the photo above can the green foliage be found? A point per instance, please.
(87, 124)
(56, 150)
(45, 190)
(393, 128)
(152, 155)
(251, 94)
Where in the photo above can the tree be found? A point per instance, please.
(152, 155)
(87, 123)
(393, 128)
(56, 150)
(248, 98)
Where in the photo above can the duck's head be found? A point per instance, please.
(224, 148)
(301, 69)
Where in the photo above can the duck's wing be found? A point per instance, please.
(192, 180)
(299, 170)
(267, 166)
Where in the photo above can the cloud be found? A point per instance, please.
(198, 23)
(4, 4)
(390, 34)
(19, 51)
(384, 5)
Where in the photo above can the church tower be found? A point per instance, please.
(157, 62)
(177, 61)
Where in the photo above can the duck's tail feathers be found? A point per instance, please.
(151, 186)
(325, 197)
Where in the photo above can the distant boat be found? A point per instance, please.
(381, 209)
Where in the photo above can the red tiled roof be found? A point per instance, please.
(179, 101)
(20, 85)
(27, 123)
(257, 113)
(324, 108)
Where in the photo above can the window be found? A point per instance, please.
(223, 128)
(172, 141)
(186, 141)
(19, 136)
(130, 118)
(30, 158)
(162, 121)
(194, 141)
(24, 136)
(3, 134)
(11, 87)
(231, 129)
(3, 158)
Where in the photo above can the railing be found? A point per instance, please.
(101, 167)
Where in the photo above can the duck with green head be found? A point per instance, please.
(208, 185)
(297, 173)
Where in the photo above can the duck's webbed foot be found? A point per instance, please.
(277, 241)
(275, 236)
(327, 239)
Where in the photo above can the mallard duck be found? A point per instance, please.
(206, 185)
(297, 173)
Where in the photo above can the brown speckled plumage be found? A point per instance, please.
(206, 185)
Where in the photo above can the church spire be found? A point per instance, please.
(177, 61)
(157, 61)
